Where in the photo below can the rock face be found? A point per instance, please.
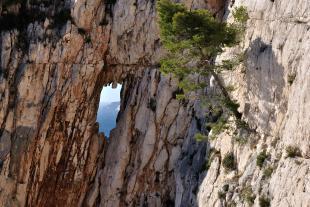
(54, 62)
(273, 96)
(49, 95)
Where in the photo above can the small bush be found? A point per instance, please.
(292, 151)
(291, 78)
(264, 201)
(261, 159)
(189, 35)
(180, 97)
(177, 92)
(200, 137)
(248, 195)
(240, 14)
(229, 161)
(268, 172)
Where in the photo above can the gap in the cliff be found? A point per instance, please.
(109, 107)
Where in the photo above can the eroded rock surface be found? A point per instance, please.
(273, 94)
(54, 65)
(49, 95)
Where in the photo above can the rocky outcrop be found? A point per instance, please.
(57, 55)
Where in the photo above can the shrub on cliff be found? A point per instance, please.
(193, 38)
(293, 151)
(260, 160)
(229, 161)
(248, 195)
(200, 137)
(268, 172)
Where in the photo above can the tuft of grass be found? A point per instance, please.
(240, 14)
(200, 137)
(268, 172)
(180, 97)
(261, 159)
(229, 162)
(248, 195)
(293, 151)
(230, 88)
(291, 78)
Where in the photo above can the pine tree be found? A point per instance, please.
(193, 38)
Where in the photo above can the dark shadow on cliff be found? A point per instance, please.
(191, 167)
(265, 81)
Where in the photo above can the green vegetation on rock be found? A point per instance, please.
(247, 195)
(193, 39)
(229, 161)
(293, 151)
(260, 160)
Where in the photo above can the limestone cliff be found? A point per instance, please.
(273, 90)
(57, 55)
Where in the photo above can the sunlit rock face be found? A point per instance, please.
(273, 90)
(54, 65)
(49, 95)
